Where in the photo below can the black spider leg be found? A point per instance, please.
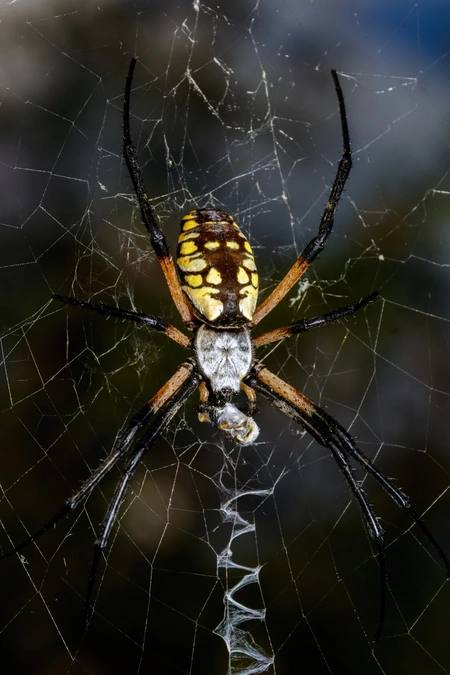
(144, 444)
(304, 325)
(155, 322)
(121, 446)
(350, 448)
(317, 243)
(313, 418)
(157, 238)
(323, 434)
(341, 313)
(374, 527)
(395, 493)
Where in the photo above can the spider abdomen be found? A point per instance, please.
(217, 268)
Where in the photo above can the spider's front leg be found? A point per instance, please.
(317, 244)
(157, 238)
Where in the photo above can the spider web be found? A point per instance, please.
(224, 559)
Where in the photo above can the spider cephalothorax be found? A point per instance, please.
(217, 300)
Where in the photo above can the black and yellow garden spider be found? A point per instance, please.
(215, 292)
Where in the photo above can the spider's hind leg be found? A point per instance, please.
(167, 401)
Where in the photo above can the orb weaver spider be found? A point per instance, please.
(215, 292)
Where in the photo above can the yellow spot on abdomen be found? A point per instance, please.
(233, 244)
(191, 264)
(247, 247)
(188, 247)
(189, 235)
(188, 224)
(249, 264)
(214, 276)
(202, 299)
(242, 276)
(248, 302)
(212, 245)
(255, 280)
(194, 280)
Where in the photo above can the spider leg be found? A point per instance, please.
(315, 420)
(251, 398)
(157, 238)
(166, 413)
(121, 447)
(394, 493)
(330, 434)
(375, 530)
(317, 244)
(316, 322)
(154, 322)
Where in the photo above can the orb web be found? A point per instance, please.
(224, 559)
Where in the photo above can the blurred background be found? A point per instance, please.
(233, 106)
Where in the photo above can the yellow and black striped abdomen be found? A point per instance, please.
(217, 268)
